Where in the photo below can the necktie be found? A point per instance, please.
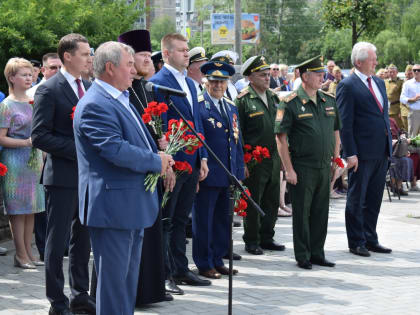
(200, 87)
(228, 94)
(374, 95)
(80, 91)
(223, 112)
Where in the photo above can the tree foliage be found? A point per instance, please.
(160, 27)
(31, 28)
(363, 17)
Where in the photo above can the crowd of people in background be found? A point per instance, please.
(75, 146)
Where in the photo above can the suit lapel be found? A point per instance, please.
(67, 89)
(213, 109)
(126, 113)
(364, 89)
(383, 92)
(146, 132)
(173, 83)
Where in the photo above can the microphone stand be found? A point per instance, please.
(234, 183)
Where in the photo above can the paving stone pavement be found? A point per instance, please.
(272, 284)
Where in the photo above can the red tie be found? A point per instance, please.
(80, 91)
(374, 95)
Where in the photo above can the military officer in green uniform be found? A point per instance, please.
(306, 128)
(257, 106)
(393, 91)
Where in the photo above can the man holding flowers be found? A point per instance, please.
(257, 109)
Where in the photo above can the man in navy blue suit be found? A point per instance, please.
(366, 140)
(175, 214)
(115, 152)
(211, 216)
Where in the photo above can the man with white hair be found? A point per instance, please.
(197, 59)
(366, 141)
(115, 152)
(229, 57)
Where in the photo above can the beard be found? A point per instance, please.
(142, 71)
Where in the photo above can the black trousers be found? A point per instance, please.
(63, 219)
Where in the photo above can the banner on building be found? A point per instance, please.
(223, 28)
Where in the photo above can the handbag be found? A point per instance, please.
(401, 148)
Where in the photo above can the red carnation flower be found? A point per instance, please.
(247, 157)
(247, 147)
(152, 104)
(146, 118)
(72, 112)
(339, 162)
(163, 108)
(3, 169)
(265, 153)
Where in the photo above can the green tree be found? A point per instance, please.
(160, 27)
(363, 17)
(31, 28)
(337, 46)
(410, 28)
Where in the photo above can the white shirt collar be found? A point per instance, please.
(174, 71)
(215, 101)
(361, 75)
(68, 76)
(123, 96)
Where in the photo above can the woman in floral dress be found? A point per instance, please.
(23, 195)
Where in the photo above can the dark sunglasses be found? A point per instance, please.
(54, 67)
(416, 70)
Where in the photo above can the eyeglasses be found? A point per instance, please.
(416, 70)
(54, 67)
(276, 69)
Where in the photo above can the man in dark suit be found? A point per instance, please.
(115, 153)
(275, 76)
(175, 214)
(52, 132)
(220, 120)
(366, 140)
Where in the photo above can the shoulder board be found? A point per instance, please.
(245, 91)
(200, 98)
(229, 101)
(326, 93)
(289, 97)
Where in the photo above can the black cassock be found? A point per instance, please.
(151, 286)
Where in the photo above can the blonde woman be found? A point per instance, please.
(22, 194)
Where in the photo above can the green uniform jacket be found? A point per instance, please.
(309, 127)
(256, 120)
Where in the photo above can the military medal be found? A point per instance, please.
(212, 121)
(253, 107)
(303, 108)
(219, 124)
(235, 128)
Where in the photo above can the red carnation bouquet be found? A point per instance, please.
(254, 156)
(3, 169)
(339, 162)
(240, 202)
(179, 138)
(179, 168)
(152, 116)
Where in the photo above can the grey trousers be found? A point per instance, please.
(413, 123)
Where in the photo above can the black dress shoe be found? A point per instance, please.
(234, 256)
(254, 249)
(66, 311)
(322, 262)
(378, 249)
(360, 251)
(304, 264)
(168, 297)
(190, 278)
(225, 270)
(273, 246)
(171, 287)
(83, 305)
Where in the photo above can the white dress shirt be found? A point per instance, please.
(72, 81)
(124, 99)
(364, 77)
(216, 103)
(197, 86)
(181, 79)
(410, 89)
